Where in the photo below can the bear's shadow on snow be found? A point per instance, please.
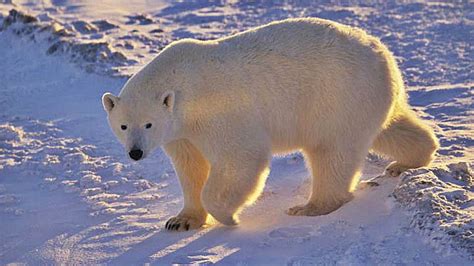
(184, 247)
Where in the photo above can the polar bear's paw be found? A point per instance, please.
(395, 169)
(225, 219)
(184, 223)
(312, 209)
(221, 213)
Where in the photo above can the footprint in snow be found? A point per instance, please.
(287, 235)
(290, 232)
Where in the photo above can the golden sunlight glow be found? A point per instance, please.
(178, 245)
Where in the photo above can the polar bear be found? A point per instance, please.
(221, 108)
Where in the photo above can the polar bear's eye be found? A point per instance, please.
(123, 127)
(148, 125)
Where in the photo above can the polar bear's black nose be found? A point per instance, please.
(136, 154)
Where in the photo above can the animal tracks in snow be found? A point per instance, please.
(39, 152)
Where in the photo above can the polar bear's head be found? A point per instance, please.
(150, 109)
(140, 123)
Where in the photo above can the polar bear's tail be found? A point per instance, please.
(407, 139)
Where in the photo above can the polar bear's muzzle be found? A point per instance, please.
(136, 154)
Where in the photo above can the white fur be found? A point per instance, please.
(328, 90)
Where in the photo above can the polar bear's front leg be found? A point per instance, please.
(192, 170)
(236, 179)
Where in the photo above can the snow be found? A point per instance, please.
(440, 203)
(69, 195)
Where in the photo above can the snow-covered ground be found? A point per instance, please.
(69, 195)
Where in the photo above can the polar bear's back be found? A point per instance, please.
(303, 72)
(312, 56)
(303, 38)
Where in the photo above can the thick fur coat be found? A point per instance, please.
(221, 108)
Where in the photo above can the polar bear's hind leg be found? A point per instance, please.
(335, 173)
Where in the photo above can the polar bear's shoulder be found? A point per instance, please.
(183, 47)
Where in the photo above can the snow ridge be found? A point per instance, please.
(35, 148)
(440, 201)
(92, 56)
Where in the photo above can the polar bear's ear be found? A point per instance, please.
(109, 101)
(167, 99)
